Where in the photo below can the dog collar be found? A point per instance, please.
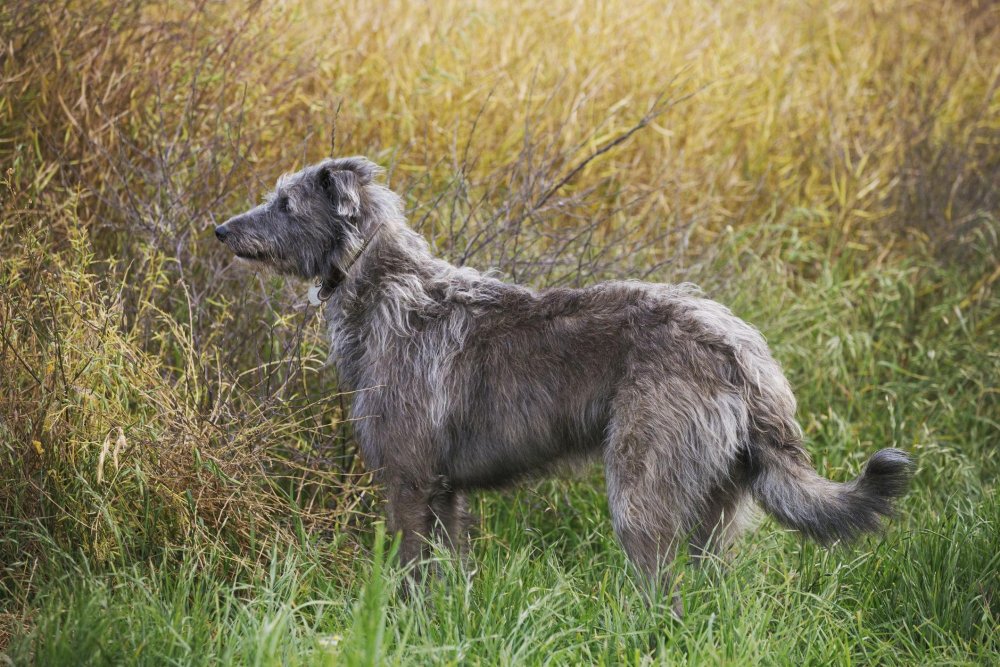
(324, 289)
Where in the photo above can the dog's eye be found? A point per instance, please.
(283, 204)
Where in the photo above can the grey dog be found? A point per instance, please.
(474, 383)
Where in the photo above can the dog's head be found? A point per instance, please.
(311, 218)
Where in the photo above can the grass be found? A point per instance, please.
(178, 482)
(556, 596)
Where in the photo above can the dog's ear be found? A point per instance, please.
(344, 189)
(343, 179)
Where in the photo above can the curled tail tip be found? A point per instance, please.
(888, 473)
(886, 477)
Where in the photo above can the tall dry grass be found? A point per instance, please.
(853, 121)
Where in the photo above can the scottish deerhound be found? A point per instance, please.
(477, 382)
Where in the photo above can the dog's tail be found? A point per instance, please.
(788, 487)
(781, 476)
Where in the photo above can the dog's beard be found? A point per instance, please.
(272, 265)
(252, 255)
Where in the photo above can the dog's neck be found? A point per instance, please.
(337, 275)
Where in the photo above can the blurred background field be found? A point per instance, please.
(178, 481)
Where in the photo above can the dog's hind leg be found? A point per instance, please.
(726, 513)
(647, 527)
(647, 511)
(668, 447)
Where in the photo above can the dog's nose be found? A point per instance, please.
(221, 232)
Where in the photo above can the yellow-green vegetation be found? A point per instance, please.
(178, 481)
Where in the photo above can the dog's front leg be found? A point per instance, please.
(410, 516)
(451, 519)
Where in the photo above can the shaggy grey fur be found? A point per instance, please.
(476, 383)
